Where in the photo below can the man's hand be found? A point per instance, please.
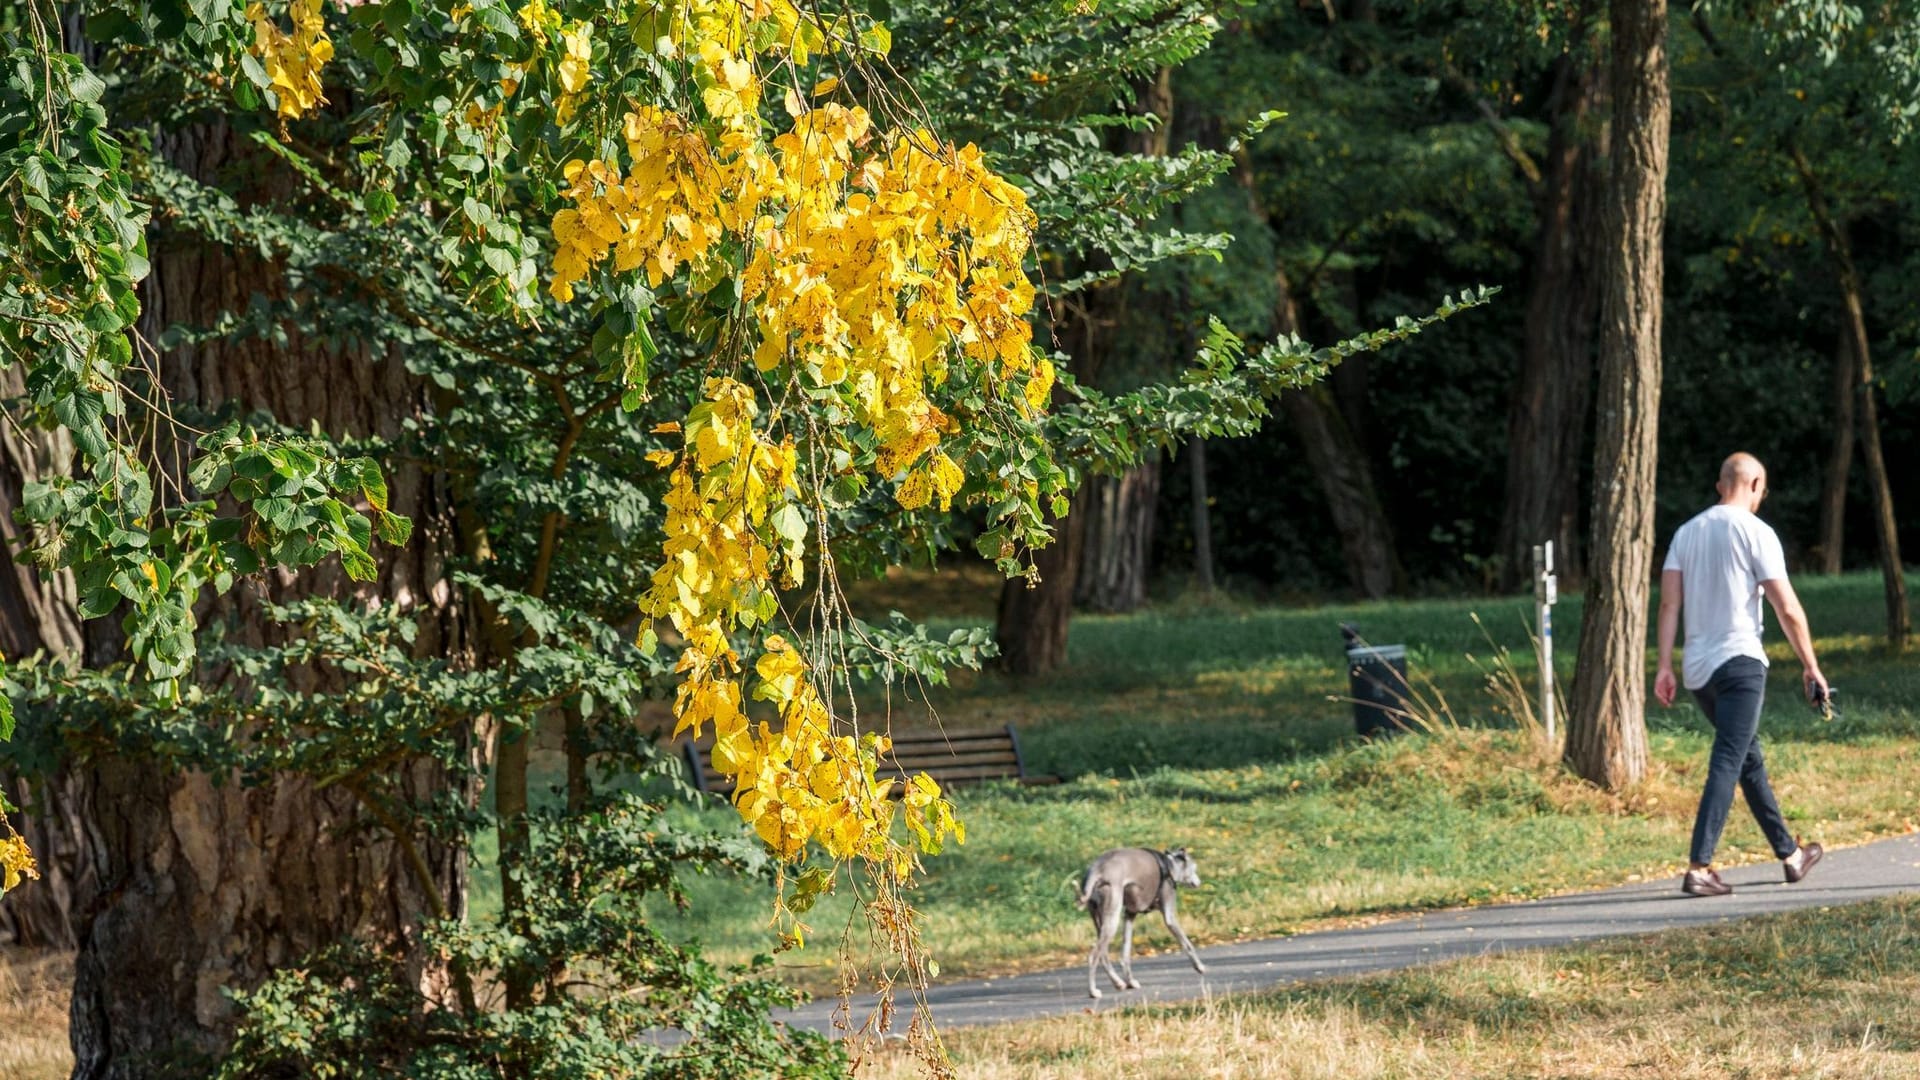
(1665, 686)
(1816, 686)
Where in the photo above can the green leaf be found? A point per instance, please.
(355, 560)
(790, 524)
(34, 173)
(373, 484)
(380, 205)
(255, 72)
(499, 260)
(395, 529)
(80, 413)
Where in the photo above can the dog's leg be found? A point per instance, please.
(1114, 913)
(1167, 912)
(1102, 935)
(1126, 955)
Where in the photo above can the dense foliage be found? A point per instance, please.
(702, 306)
(1395, 177)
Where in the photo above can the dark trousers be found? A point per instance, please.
(1731, 700)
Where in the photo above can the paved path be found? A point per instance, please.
(1848, 876)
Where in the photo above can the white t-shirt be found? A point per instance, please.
(1723, 555)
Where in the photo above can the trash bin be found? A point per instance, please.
(1377, 682)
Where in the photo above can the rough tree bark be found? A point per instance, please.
(204, 883)
(38, 613)
(1116, 547)
(1853, 303)
(1833, 486)
(1606, 730)
(1548, 418)
(1034, 616)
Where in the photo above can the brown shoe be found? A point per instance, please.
(1809, 855)
(1704, 883)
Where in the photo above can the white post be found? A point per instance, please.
(1545, 592)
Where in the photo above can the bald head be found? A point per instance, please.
(1743, 481)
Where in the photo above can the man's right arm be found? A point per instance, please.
(1793, 620)
(1672, 585)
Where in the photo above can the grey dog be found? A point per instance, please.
(1124, 884)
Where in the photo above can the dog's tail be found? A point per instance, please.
(1088, 885)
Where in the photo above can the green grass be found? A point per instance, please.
(1809, 994)
(1211, 727)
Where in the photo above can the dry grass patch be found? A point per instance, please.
(1813, 994)
(33, 1014)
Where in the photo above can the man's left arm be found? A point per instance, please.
(1793, 620)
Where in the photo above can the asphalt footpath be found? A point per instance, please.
(1848, 876)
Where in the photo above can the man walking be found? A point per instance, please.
(1720, 564)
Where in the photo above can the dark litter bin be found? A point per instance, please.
(1377, 682)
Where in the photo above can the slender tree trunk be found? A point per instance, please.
(1606, 731)
(1547, 422)
(1339, 462)
(1885, 525)
(1338, 458)
(1833, 488)
(206, 883)
(1853, 303)
(1202, 515)
(1117, 516)
(1347, 484)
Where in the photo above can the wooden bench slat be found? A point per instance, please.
(950, 757)
(943, 760)
(939, 738)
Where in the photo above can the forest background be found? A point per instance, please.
(1429, 146)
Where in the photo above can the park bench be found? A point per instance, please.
(954, 758)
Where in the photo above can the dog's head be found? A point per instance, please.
(1185, 872)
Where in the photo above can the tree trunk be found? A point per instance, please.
(1116, 545)
(1606, 730)
(1885, 526)
(39, 613)
(1853, 303)
(1547, 422)
(1833, 488)
(204, 883)
(1033, 617)
(1202, 516)
(1117, 516)
(1032, 625)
